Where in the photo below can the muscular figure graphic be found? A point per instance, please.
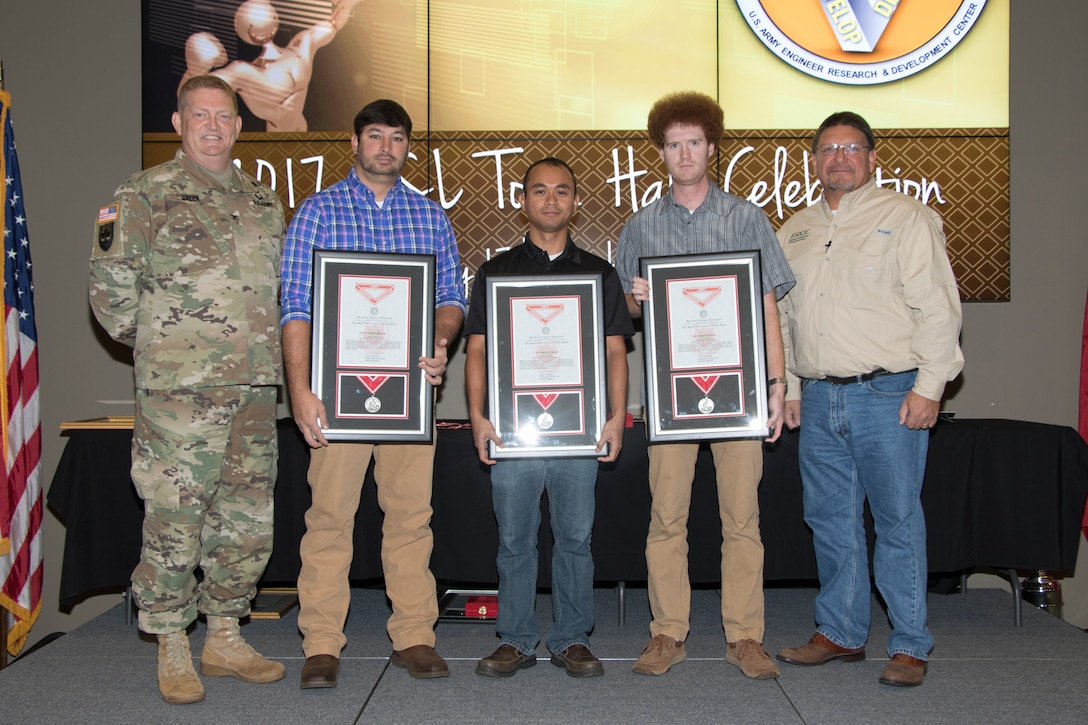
(274, 85)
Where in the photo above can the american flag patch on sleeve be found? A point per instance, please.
(107, 214)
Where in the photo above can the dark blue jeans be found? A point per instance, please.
(516, 488)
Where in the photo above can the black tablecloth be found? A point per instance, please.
(998, 493)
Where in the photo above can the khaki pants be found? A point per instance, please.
(738, 467)
(403, 474)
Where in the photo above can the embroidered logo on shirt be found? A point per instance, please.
(885, 232)
(798, 237)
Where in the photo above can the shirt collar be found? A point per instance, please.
(360, 188)
(852, 198)
(538, 255)
(202, 175)
(711, 202)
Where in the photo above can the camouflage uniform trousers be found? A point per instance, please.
(204, 462)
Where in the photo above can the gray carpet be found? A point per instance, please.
(983, 670)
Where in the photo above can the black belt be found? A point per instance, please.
(864, 377)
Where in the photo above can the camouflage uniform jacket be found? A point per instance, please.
(187, 274)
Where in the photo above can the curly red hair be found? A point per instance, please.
(687, 108)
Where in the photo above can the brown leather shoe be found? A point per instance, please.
(504, 662)
(320, 671)
(578, 661)
(421, 661)
(819, 650)
(904, 671)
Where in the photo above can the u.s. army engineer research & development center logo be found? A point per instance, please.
(860, 42)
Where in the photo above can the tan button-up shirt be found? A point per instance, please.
(874, 290)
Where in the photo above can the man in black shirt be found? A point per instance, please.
(549, 198)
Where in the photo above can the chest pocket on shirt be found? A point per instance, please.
(869, 273)
(186, 244)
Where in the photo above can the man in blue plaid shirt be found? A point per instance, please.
(372, 210)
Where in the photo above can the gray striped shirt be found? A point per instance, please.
(722, 223)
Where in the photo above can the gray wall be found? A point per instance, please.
(75, 85)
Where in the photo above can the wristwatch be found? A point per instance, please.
(776, 381)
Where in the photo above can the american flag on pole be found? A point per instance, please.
(20, 420)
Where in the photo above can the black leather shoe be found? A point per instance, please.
(504, 662)
(578, 661)
(320, 671)
(421, 661)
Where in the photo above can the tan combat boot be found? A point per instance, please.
(178, 683)
(226, 654)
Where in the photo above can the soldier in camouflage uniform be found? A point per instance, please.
(185, 270)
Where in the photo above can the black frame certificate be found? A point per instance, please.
(706, 371)
(546, 365)
(373, 317)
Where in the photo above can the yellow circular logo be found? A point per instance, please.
(860, 42)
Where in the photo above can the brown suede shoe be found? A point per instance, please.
(421, 661)
(659, 654)
(578, 661)
(752, 659)
(904, 671)
(504, 662)
(819, 650)
(320, 671)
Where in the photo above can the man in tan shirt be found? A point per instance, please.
(871, 337)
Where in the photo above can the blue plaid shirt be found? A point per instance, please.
(345, 217)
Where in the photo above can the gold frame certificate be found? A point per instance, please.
(546, 365)
(706, 372)
(373, 317)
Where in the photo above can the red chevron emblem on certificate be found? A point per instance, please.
(374, 293)
(545, 312)
(701, 295)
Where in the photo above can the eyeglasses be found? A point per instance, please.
(850, 149)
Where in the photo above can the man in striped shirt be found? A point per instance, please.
(695, 216)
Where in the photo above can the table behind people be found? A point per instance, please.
(985, 479)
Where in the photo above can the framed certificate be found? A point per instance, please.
(373, 317)
(546, 365)
(706, 372)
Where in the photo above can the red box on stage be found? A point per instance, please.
(482, 607)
